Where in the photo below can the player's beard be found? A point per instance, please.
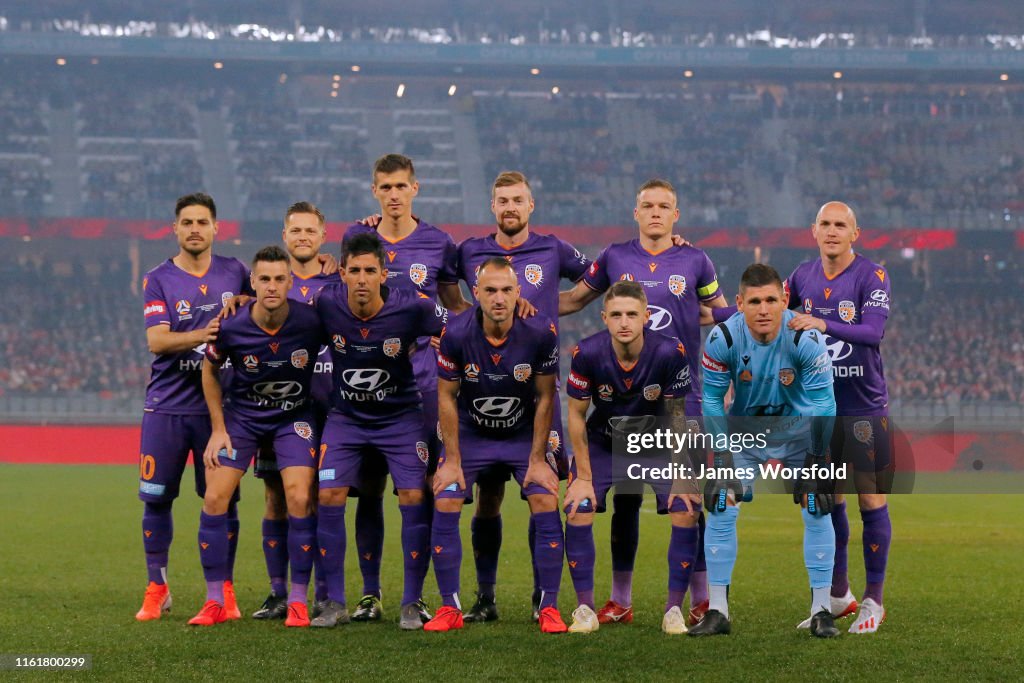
(513, 229)
(193, 249)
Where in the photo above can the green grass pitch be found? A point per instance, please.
(72, 576)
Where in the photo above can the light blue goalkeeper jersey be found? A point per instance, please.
(787, 378)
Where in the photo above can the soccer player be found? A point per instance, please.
(183, 296)
(303, 235)
(497, 395)
(782, 379)
(376, 412)
(272, 347)
(845, 296)
(420, 259)
(540, 262)
(626, 372)
(677, 278)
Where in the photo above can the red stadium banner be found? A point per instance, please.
(1020, 239)
(100, 228)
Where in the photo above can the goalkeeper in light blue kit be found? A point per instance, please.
(783, 380)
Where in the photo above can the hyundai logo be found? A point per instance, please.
(496, 406)
(365, 379)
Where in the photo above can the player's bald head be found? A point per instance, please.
(835, 211)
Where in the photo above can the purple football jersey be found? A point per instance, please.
(497, 396)
(540, 263)
(418, 263)
(675, 280)
(373, 374)
(857, 296)
(304, 289)
(272, 372)
(661, 371)
(186, 302)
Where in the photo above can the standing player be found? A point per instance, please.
(677, 279)
(303, 235)
(376, 412)
(183, 296)
(497, 395)
(845, 296)
(782, 381)
(627, 372)
(540, 262)
(272, 347)
(421, 259)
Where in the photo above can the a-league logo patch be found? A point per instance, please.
(250, 362)
(472, 371)
(847, 311)
(300, 358)
(534, 274)
(522, 372)
(652, 392)
(786, 376)
(628, 277)
(184, 309)
(304, 430)
(422, 452)
(554, 441)
(604, 392)
(808, 305)
(392, 347)
(418, 274)
(862, 431)
(339, 343)
(677, 285)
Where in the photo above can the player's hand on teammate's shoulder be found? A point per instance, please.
(219, 441)
(541, 474)
(328, 264)
(525, 309)
(579, 491)
(373, 220)
(680, 241)
(803, 321)
(447, 474)
(232, 305)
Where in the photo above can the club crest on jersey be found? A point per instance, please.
(808, 305)
(422, 452)
(677, 285)
(534, 274)
(339, 343)
(862, 431)
(786, 376)
(225, 298)
(847, 311)
(652, 392)
(392, 347)
(522, 372)
(304, 430)
(604, 392)
(471, 371)
(250, 362)
(184, 309)
(418, 274)
(300, 358)
(203, 289)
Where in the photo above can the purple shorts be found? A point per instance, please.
(293, 439)
(557, 455)
(166, 442)
(601, 468)
(480, 453)
(347, 445)
(266, 466)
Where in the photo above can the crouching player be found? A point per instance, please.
(496, 396)
(272, 347)
(627, 372)
(783, 379)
